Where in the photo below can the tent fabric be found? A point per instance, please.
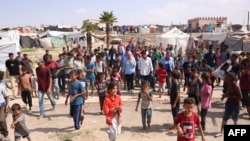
(5, 49)
(26, 41)
(10, 36)
(55, 34)
(57, 42)
(220, 37)
(237, 44)
(77, 36)
(46, 42)
(173, 37)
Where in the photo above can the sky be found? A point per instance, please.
(128, 12)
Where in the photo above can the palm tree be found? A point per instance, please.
(108, 18)
(89, 27)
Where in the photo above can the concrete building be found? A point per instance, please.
(200, 24)
(96, 22)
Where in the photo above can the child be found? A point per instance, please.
(193, 87)
(81, 78)
(101, 89)
(4, 108)
(187, 66)
(205, 95)
(181, 61)
(19, 123)
(185, 122)
(146, 105)
(162, 74)
(33, 86)
(116, 78)
(25, 87)
(90, 75)
(112, 109)
(175, 95)
(4, 81)
(232, 105)
(76, 92)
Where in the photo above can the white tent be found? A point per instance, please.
(9, 42)
(173, 37)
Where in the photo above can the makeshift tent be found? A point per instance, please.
(27, 42)
(9, 42)
(10, 36)
(57, 42)
(46, 42)
(173, 37)
(220, 37)
(80, 38)
(237, 43)
(70, 37)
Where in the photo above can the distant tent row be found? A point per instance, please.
(52, 39)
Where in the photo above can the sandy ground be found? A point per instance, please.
(58, 126)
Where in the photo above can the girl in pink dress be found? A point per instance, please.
(206, 97)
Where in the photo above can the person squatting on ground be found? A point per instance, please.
(186, 121)
(112, 109)
(76, 93)
(146, 104)
(18, 124)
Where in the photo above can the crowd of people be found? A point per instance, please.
(79, 72)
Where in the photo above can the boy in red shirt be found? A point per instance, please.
(112, 109)
(185, 122)
(162, 74)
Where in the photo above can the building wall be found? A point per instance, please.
(205, 21)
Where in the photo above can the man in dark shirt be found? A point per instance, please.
(13, 69)
(210, 57)
(46, 53)
(27, 63)
(116, 64)
(44, 80)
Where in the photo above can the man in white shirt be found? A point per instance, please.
(145, 67)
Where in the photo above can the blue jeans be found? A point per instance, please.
(41, 103)
(146, 114)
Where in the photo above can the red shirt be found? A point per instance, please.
(160, 48)
(110, 103)
(187, 124)
(161, 79)
(245, 80)
(52, 64)
(43, 78)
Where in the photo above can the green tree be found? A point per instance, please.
(89, 28)
(108, 18)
